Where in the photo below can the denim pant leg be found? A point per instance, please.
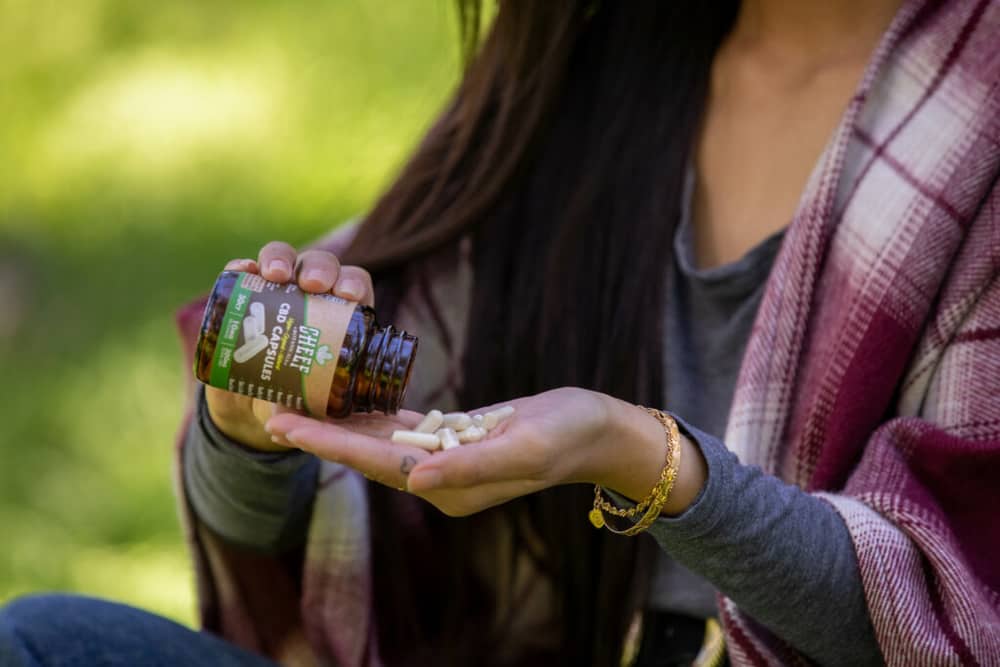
(75, 631)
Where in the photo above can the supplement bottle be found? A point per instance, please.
(313, 352)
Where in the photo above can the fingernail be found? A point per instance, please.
(316, 275)
(350, 288)
(278, 440)
(279, 266)
(424, 480)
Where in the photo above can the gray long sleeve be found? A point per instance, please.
(784, 556)
(255, 499)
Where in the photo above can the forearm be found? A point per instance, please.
(784, 556)
(259, 500)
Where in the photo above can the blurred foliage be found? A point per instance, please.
(144, 144)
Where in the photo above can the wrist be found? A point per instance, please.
(691, 478)
(635, 452)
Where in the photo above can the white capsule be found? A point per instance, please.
(252, 327)
(431, 422)
(471, 434)
(250, 349)
(257, 311)
(494, 417)
(448, 438)
(427, 441)
(457, 421)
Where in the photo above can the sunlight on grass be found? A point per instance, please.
(102, 521)
(154, 578)
(159, 114)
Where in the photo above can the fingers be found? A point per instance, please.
(459, 481)
(381, 426)
(377, 458)
(498, 459)
(355, 284)
(276, 261)
(463, 502)
(247, 265)
(318, 271)
(392, 464)
(374, 425)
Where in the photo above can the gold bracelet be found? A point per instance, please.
(653, 503)
(661, 492)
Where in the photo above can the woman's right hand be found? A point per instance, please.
(242, 418)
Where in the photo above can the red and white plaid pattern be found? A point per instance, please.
(873, 373)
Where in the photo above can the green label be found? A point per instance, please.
(279, 344)
(229, 334)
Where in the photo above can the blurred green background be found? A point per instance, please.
(142, 145)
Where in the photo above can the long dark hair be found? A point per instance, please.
(562, 156)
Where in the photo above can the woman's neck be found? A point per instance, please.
(807, 36)
(779, 85)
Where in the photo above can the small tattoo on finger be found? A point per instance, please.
(407, 465)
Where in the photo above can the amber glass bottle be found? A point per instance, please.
(313, 352)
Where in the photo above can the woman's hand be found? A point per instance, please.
(557, 437)
(242, 418)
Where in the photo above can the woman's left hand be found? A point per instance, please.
(560, 436)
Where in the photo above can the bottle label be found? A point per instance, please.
(280, 344)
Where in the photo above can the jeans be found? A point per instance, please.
(74, 631)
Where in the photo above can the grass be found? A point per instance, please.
(143, 145)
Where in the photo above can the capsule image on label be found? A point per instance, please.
(250, 349)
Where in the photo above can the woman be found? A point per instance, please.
(779, 221)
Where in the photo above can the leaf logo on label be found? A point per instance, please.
(323, 355)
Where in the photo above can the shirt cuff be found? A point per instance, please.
(254, 499)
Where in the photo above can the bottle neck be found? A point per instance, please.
(387, 361)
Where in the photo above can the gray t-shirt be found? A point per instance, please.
(708, 319)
